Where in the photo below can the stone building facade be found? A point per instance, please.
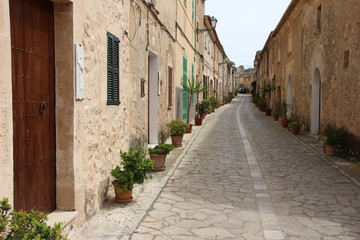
(82, 80)
(244, 77)
(313, 59)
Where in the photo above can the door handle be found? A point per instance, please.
(42, 107)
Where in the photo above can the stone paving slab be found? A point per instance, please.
(241, 176)
(246, 178)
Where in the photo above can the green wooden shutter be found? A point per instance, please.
(113, 86)
(193, 11)
(185, 97)
(192, 79)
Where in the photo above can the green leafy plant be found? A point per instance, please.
(276, 112)
(15, 225)
(335, 136)
(266, 90)
(133, 169)
(284, 107)
(192, 87)
(161, 149)
(294, 124)
(177, 127)
(206, 103)
(201, 108)
(214, 102)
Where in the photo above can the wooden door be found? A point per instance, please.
(32, 44)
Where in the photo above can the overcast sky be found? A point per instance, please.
(244, 25)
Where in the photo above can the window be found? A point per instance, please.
(142, 87)
(113, 97)
(346, 59)
(170, 87)
(290, 43)
(318, 18)
(205, 84)
(192, 79)
(193, 10)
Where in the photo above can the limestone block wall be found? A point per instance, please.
(100, 130)
(330, 53)
(6, 136)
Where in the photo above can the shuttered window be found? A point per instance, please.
(170, 86)
(113, 91)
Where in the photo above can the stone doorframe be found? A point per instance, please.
(64, 92)
(315, 102)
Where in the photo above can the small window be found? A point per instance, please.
(318, 18)
(290, 45)
(170, 87)
(193, 10)
(113, 95)
(346, 59)
(142, 87)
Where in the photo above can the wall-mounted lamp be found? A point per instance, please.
(213, 26)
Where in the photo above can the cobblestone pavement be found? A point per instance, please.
(243, 177)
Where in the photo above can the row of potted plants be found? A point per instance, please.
(135, 167)
(335, 138)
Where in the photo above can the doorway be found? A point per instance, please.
(289, 97)
(33, 84)
(153, 107)
(315, 102)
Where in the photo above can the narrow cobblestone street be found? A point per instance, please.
(241, 176)
(246, 178)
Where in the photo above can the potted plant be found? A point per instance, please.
(335, 137)
(262, 104)
(200, 113)
(276, 112)
(214, 103)
(266, 90)
(191, 87)
(206, 103)
(132, 170)
(202, 110)
(284, 120)
(295, 127)
(26, 225)
(158, 155)
(177, 131)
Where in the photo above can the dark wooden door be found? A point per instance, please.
(32, 44)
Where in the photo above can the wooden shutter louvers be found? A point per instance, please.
(113, 89)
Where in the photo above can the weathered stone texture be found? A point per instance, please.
(297, 48)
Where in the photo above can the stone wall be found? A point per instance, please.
(300, 53)
(6, 136)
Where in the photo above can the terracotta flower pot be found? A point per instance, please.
(203, 115)
(276, 118)
(268, 112)
(295, 130)
(159, 162)
(176, 141)
(198, 121)
(284, 123)
(330, 149)
(124, 197)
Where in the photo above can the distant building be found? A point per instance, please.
(244, 77)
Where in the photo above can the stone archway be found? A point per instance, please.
(289, 95)
(315, 102)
